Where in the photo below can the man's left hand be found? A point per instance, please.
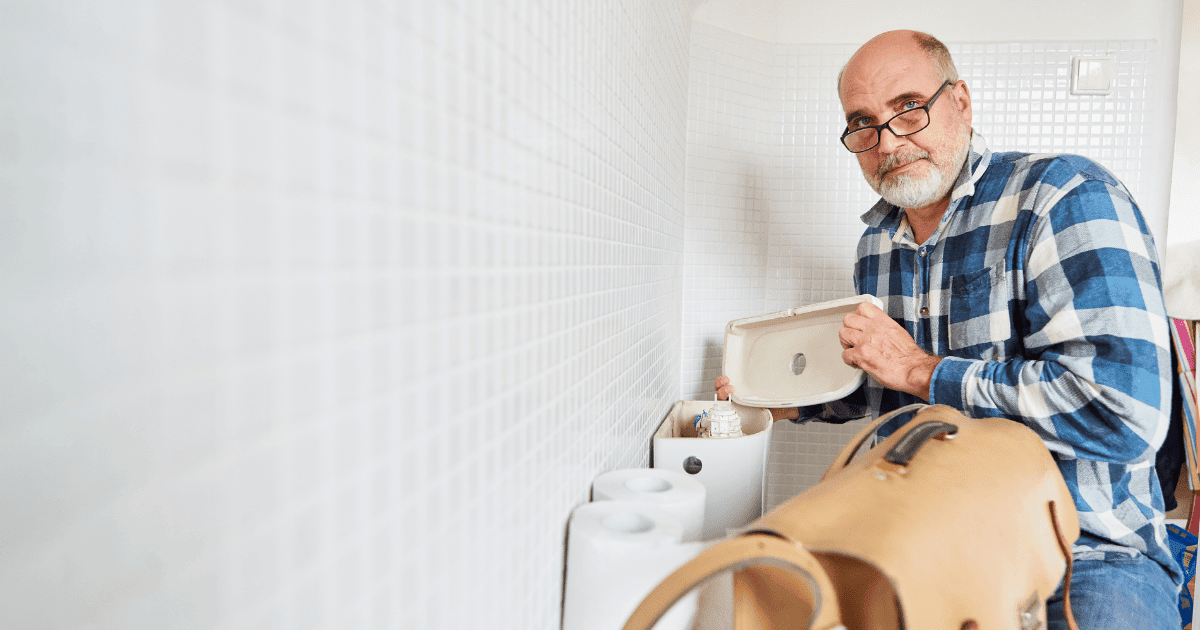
(882, 348)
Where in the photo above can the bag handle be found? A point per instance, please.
(903, 451)
(851, 448)
(739, 553)
(1070, 557)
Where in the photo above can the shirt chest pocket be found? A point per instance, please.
(980, 307)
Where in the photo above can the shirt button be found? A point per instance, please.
(924, 310)
(921, 252)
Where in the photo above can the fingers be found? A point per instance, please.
(864, 325)
(863, 316)
(868, 310)
(848, 357)
(724, 389)
(855, 338)
(854, 322)
(844, 338)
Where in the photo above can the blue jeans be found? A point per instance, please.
(1118, 595)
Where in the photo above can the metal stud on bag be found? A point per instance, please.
(1028, 614)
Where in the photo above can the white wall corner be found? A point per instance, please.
(1183, 224)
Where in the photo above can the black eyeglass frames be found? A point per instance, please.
(906, 123)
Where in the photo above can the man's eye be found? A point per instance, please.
(859, 123)
(911, 105)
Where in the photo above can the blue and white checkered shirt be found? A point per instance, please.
(1041, 286)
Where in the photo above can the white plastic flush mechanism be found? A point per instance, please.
(723, 421)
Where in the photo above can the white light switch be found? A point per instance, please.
(1092, 75)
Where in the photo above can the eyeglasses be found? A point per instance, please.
(906, 123)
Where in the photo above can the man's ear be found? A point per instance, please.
(962, 100)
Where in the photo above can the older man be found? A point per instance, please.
(1017, 286)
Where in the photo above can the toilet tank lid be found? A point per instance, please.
(791, 358)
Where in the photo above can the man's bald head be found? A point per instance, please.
(904, 42)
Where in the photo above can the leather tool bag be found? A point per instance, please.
(949, 523)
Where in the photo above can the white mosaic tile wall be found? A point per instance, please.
(325, 315)
(778, 212)
(729, 142)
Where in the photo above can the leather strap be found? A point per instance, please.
(903, 451)
(851, 448)
(1066, 549)
(739, 553)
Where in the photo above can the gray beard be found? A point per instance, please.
(907, 191)
(912, 191)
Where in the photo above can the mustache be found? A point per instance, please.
(897, 160)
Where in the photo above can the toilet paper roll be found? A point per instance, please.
(617, 552)
(676, 492)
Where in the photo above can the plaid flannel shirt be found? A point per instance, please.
(1041, 288)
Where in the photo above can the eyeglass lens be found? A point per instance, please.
(903, 124)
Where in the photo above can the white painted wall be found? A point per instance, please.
(1183, 229)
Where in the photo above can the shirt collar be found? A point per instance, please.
(884, 215)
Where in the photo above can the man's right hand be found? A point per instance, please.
(725, 390)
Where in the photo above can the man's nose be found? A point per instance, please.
(888, 141)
